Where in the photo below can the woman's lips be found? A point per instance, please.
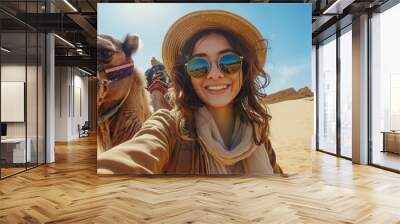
(217, 89)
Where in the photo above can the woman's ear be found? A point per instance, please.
(131, 44)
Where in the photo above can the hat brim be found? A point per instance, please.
(188, 25)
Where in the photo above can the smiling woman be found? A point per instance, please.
(218, 124)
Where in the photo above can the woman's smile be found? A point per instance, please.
(217, 88)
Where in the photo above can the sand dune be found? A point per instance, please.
(288, 94)
(291, 133)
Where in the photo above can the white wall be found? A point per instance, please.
(71, 94)
(33, 127)
(12, 73)
(16, 73)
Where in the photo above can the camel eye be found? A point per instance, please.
(106, 54)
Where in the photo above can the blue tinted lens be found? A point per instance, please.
(230, 63)
(197, 67)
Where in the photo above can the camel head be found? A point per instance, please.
(116, 69)
(111, 50)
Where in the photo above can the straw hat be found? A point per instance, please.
(188, 25)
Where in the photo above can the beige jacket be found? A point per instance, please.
(157, 149)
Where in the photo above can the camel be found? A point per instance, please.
(123, 103)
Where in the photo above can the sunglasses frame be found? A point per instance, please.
(210, 64)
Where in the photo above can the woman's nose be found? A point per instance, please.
(214, 73)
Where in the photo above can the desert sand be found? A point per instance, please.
(291, 133)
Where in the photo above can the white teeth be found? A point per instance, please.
(217, 87)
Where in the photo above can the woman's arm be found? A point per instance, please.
(146, 153)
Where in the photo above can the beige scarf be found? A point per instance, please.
(243, 148)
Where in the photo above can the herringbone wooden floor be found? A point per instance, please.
(69, 191)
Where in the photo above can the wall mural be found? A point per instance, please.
(204, 89)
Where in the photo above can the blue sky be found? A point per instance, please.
(287, 27)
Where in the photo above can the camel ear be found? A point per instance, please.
(131, 44)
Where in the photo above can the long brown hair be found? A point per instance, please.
(248, 103)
